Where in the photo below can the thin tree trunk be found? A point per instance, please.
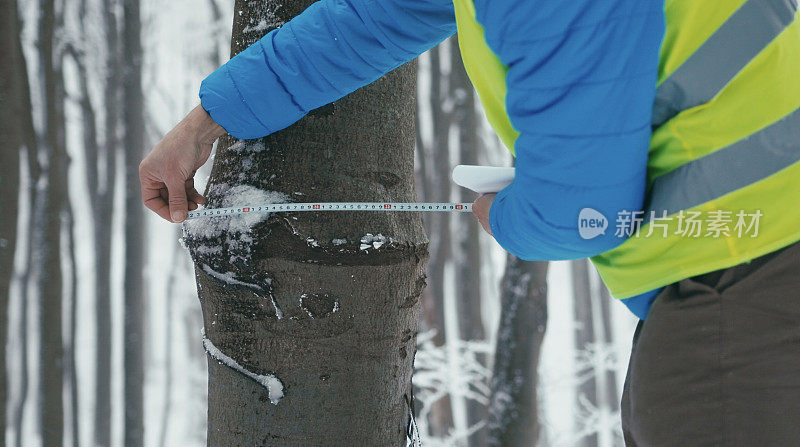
(169, 317)
(48, 246)
(584, 334)
(341, 352)
(102, 160)
(16, 121)
(513, 413)
(437, 189)
(468, 257)
(72, 372)
(133, 144)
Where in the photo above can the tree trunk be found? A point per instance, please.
(584, 336)
(16, 132)
(334, 324)
(102, 159)
(133, 146)
(48, 244)
(468, 255)
(434, 160)
(513, 413)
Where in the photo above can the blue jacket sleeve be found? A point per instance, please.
(581, 80)
(333, 48)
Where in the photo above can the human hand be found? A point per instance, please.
(167, 173)
(481, 207)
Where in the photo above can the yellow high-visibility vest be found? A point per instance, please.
(725, 149)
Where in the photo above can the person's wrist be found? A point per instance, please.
(204, 127)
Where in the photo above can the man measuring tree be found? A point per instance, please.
(674, 170)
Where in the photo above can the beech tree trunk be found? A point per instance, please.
(435, 160)
(513, 413)
(468, 254)
(47, 223)
(102, 160)
(343, 342)
(133, 146)
(16, 132)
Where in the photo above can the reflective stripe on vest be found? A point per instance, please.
(723, 55)
(726, 137)
(726, 170)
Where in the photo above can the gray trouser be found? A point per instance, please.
(717, 361)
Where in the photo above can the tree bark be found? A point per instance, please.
(48, 245)
(513, 413)
(133, 146)
(102, 160)
(50, 208)
(16, 132)
(344, 344)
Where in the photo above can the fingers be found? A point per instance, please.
(178, 203)
(193, 195)
(153, 199)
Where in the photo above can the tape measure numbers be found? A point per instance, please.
(333, 206)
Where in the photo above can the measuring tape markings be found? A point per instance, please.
(333, 206)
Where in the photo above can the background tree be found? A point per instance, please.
(513, 412)
(48, 226)
(133, 147)
(16, 135)
(333, 323)
(101, 161)
(598, 400)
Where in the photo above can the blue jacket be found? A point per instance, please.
(581, 81)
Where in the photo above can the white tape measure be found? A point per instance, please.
(333, 206)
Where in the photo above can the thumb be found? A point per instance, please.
(178, 206)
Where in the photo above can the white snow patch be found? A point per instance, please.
(312, 242)
(253, 146)
(239, 195)
(273, 385)
(233, 230)
(261, 26)
(341, 241)
(373, 241)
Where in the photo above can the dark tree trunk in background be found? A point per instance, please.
(49, 210)
(16, 133)
(468, 256)
(434, 162)
(70, 356)
(101, 176)
(513, 413)
(584, 333)
(133, 147)
(344, 345)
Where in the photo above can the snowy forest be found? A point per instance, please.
(108, 312)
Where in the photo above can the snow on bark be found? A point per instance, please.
(229, 278)
(269, 381)
(233, 234)
(373, 241)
